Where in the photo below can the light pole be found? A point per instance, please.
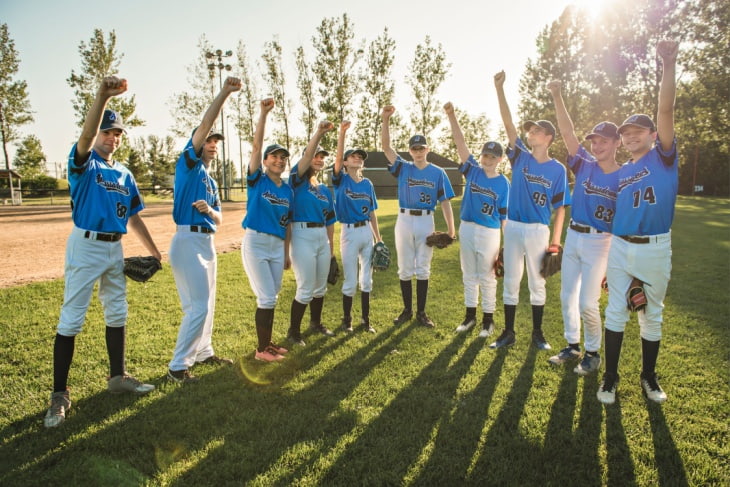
(240, 149)
(216, 61)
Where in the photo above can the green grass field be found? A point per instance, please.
(406, 406)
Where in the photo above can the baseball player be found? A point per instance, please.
(483, 217)
(265, 244)
(588, 238)
(104, 200)
(420, 186)
(539, 186)
(355, 205)
(641, 245)
(313, 220)
(197, 212)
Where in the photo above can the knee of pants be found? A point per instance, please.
(267, 302)
(198, 312)
(650, 330)
(304, 297)
(349, 288)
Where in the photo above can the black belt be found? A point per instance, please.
(415, 212)
(358, 224)
(200, 229)
(104, 237)
(313, 224)
(583, 228)
(636, 240)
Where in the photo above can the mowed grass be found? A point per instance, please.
(406, 406)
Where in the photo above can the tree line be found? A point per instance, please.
(606, 64)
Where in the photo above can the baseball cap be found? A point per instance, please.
(492, 148)
(417, 141)
(639, 120)
(112, 120)
(319, 149)
(546, 125)
(275, 148)
(356, 151)
(607, 130)
(216, 134)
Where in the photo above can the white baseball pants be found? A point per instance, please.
(524, 242)
(414, 256)
(479, 248)
(356, 249)
(263, 260)
(310, 259)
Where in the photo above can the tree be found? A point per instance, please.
(274, 76)
(14, 104)
(138, 167)
(99, 58)
(244, 103)
(379, 89)
(335, 69)
(426, 73)
(30, 161)
(305, 83)
(159, 155)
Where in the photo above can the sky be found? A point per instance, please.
(158, 40)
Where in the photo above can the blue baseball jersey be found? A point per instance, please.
(103, 196)
(311, 203)
(594, 193)
(485, 199)
(420, 189)
(268, 206)
(353, 201)
(647, 193)
(537, 188)
(193, 182)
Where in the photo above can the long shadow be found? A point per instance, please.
(461, 429)
(618, 455)
(588, 433)
(504, 440)
(560, 459)
(668, 460)
(406, 423)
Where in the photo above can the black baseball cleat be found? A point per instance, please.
(346, 325)
(366, 326)
(539, 340)
(320, 328)
(424, 320)
(506, 339)
(405, 316)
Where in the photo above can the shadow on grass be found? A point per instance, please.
(618, 455)
(668, 461)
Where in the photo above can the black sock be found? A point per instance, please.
(406, 291)
(649, 355)
(63, 353)
(295, 318)
(574, 346)
(470, 313)
(315, 310)
(346, 307)
(115, 343)
(613, 342)
(365, 304)
(592, 354)
(487, 317)
(509, 316)
(537, 316)
(264, 326)
(421, 294)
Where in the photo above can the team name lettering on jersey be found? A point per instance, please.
(475, 188)
(357, 196)
(606, 192)
(274, 200)
(421, 182)
(111, 185)
(635, 178)
(208, 188)
(537, 179)
(313, 191)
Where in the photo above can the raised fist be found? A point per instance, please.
(326, 126)
(499, 79)
(112, 86)
(388, 110)
(554, 86)
(345, 125)
(667, 49)
(449, 108)
(232, 84)
(267, 104)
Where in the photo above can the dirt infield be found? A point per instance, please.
(33, 238)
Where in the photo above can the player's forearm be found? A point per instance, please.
(339, 154)
(385, 140)
(504, 111)
(448, 217)
(665, 112)
(458, 136)
(331, 238)
(258, 140)
(144, 236)
(565, 124)
(558, 222)
(375, 227)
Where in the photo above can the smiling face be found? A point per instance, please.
(318, 161)
(355, 161)
(489, 161)
(108, 141)
(210, 150)
(603, 148)
(276, 162)
(538, 136)
(637, 140)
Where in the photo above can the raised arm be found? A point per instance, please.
(110, 86)
(258, 137)
(565, 124)
(306, 160)
(509, 126)
(456, 133)
(667, 50)
(387, 112)
(211, 114)
(339, 156)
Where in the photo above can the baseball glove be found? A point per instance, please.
(141, 269)
(499, 264)
(334, 272)
(381, 257)
(552, 260)
(440, 240)
(635, 297)
(604, 284)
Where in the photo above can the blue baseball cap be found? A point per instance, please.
(275, 148)
(638, 120)
(546, 125)
(356, 151)
(417, 141)
(493, 148)
(112, 120)
(607, 130)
